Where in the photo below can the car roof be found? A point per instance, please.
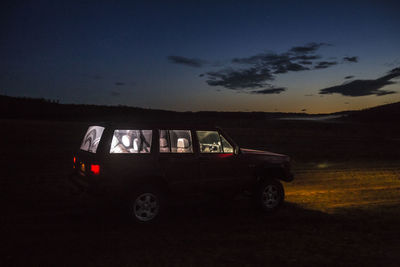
(141, 125)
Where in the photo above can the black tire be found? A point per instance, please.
(146, 203)
(269, 195)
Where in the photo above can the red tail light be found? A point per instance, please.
(74, 160)
(95, 169)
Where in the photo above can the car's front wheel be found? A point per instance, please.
(270, 195)
(146, 204)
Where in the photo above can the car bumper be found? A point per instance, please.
(77, 184)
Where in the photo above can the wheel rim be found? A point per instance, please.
(146, 207)
(270, 196)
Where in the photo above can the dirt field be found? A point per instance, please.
(342, 208)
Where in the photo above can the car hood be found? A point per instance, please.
(264, 153)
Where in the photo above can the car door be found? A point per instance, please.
(218, 164)
(130, 154)
(178, 161)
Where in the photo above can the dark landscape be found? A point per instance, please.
(341, 209)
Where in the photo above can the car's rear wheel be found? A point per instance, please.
(146, 204)
(270, 195)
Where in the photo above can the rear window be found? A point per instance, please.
(92, 139)
(131, 141)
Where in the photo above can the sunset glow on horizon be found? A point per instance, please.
(308, 57)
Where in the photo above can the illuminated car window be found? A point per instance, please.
(209, 142)
(164, 142)
(131, 141)
(226, 146)
(176, 141)
(92, 139)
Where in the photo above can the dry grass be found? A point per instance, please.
(357, 188)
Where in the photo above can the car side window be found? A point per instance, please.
(131, 141)
(176, 141)
(226, 146)
(164, 142)
(209, 141)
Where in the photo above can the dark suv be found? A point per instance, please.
(143, 165)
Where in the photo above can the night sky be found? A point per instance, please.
(284, 56)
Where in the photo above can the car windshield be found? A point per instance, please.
(92, 139)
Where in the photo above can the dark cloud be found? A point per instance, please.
(240, 79)
(394, 73)
(284, 68)
(290, 60)
(325, 64)
(306, 57)
(304, 110)
(191, 62)
(277, 63)
(262, 69)
(364, 87)
(269, 91)
(119, 83)
(258, 70)
(264, 59)
(349, 77)
(350, 59)
(264, 66)
(305, 62)
(308, 48)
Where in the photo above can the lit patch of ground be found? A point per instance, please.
(329, 189)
